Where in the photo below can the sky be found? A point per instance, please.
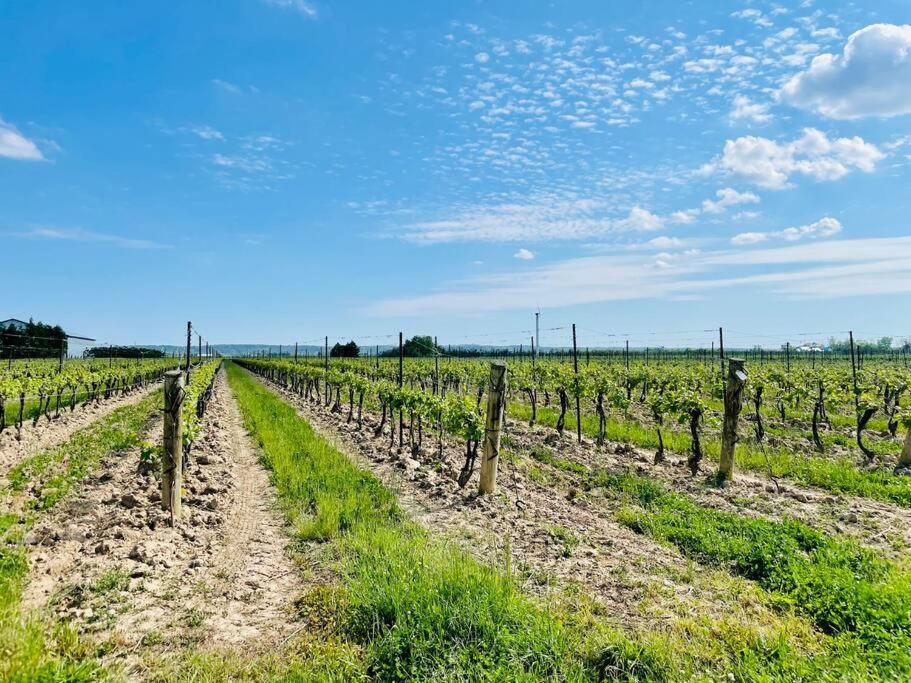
(280, 170)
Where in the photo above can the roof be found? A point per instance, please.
(13, 321)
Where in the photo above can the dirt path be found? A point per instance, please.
(15, 445)
(108, 562)
(554, 538)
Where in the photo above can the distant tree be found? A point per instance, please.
(349, 350)
(37, 340)
(882, 345)
(419, 346)
(122, 352)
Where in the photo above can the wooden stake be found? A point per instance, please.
(496, 395)
(733, 393)
(576, 384)
(905, 459)
(172, 457)
(189, 342)
(401, 380)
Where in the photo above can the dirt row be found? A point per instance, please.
(107, 561)
(18, 444)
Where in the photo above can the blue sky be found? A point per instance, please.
(276, 170)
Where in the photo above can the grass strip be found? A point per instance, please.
(33, 647)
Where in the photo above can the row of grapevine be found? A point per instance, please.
(50, 388)
(683, 393)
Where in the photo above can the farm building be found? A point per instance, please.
(15, 323)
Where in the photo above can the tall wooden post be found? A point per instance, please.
(295, 352)
(721, 349)
(172, 457)
(733, 395)
(854, 378)
(326, 364)
(189, 342)
(496, 399)
(576, 387)
(401, 382)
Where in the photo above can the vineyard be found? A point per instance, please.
(622, 516)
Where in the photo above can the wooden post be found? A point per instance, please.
(401, 380)
(189, 342)
(326, 364)
(733, 393)
(576, 385)
(496, 398)
(172, 457)
(905, 458)
(721, 349)
(295, 353)
(854, 377)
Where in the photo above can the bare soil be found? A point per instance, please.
(108, 562)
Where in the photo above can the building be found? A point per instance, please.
(15, 323)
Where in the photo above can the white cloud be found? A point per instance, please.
(824, 227)
(524, 255)
(770, 164)
(81, 235)
(728, 197)
(744, 108)
(872, 76)
(641, 219)
(749, 238)
(482, 58)
(538, 220)
(302, 6)
(664, 242)
(226, 86)
(833, 269)
(206, 133)
(14, 145)
(753, 15)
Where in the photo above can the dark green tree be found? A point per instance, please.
(349, 350)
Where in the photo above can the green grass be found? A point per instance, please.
(35, 647)
(848, 592)
(839, 475)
